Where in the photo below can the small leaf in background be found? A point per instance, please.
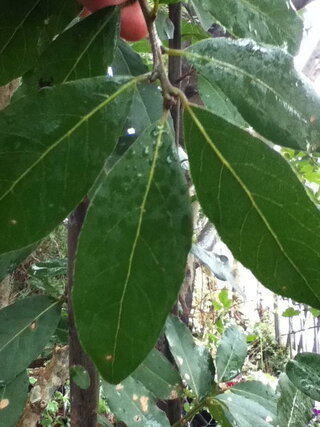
(245, 405)
(25, 328)
(291, 312)
(272, 22)
(251, 337)
(53, 145)
(133, 404)
(314, 312)
(304, 372)
(294, 408)
(9, 261)
(257, 204)
(26, 28)
(224, 298)
(231, 354)
(138, 233)
(159, 376)
(84, 50)
(194, 362)
(264, 87)
(12, 400)
(79, 375)
(164, 25)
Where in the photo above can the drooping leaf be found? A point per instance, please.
(133, 404)
(53, 146)
(304, 372)
(12, 399)
(245, 405)
(265, 88)
(216, 101)
(231, 354)
(132, 251)
(84, 50)
(25, 328)
(259, 207)
(294, 408)
(194, 361)
(26, 28)
(273, 22)
(80, 376)
(159, 376)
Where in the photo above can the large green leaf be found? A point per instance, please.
(265, 88)
(231, 354)
(26, 27)
(304, 373)
(12, 399)
(25, 328)
(245, 405)
(194, 361)
(159, 376)
(53, 146)
(133, 404)
(267, 21)
(256, 202)
(84, 50)
(294, 407)
(131, 255)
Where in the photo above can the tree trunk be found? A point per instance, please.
(84, 403)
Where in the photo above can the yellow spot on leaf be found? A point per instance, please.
(4, 403)
(108, 357)
(144, 402)
(33, 326)
(13, 222)
(119, 387)
(134, 397)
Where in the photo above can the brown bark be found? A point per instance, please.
(84, 403)
(49, 379)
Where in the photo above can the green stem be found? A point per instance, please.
(192, 413)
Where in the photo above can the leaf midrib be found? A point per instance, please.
(67, 135)
(135, 242)
(19, 26)
(248, 193)
(232, 68)
(34, 319)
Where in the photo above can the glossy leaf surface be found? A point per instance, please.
(267, 21)
(53, 146)
(304, 372)
(84, 50)
(159, 376)
(12, 400)
(133, 404)
(132, 254)
(259, 207)
(231, 354)
(193, 361)
(265, 88)
(245, 405)
(26, 28)
(25, 328)
(294, 407)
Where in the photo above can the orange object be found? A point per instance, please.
(133, 26)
